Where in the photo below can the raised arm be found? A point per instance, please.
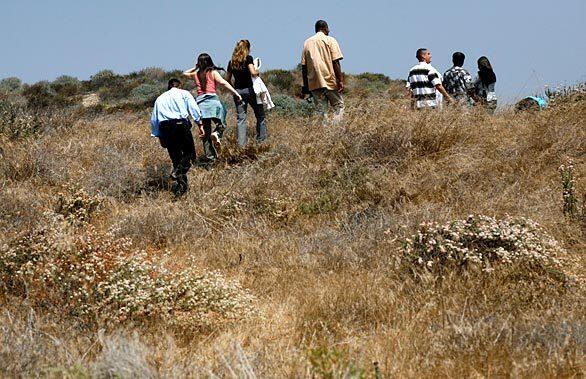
(218, 78)
(190, 72)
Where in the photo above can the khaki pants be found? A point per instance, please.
(325, 98)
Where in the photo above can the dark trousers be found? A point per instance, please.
(177, 138)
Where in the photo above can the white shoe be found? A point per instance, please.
(216, 138)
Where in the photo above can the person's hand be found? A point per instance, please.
(239, 98)
(200, 132)
(340, 86)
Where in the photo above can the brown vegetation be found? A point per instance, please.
(312, 226)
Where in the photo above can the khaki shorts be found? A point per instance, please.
(325, 98)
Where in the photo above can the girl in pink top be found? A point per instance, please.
(206, 79)
(209, 83)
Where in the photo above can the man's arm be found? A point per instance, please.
(434, 78)
(443, 91)
(410, 93)
(155, 122)
(339, 75)
(305, 79)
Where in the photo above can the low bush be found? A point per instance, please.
(78, 207)
(152, 75)
(10, 85)
(19, 121)
(66, 86)
(16, 121)
(289, 106)
(484, 242)
(373, 78)
(97, 278)
(104, 78)
(282, 80)
(146, 93)
(41, 95)
(325, 203)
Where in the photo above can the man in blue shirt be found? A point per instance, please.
(170, 123)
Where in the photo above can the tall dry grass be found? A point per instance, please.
(311, 225)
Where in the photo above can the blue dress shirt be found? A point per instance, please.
(172, 105)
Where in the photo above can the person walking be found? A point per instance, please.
(322, 72)
(457, 80)
(206, 77)
(241, 68)
(170, 123)
(423, 82)
(483, 91)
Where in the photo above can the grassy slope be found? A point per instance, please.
(310, 225)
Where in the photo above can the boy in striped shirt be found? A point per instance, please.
(424, 81)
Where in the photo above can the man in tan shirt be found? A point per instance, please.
(322, 74)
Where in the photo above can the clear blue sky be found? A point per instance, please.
(42, 39)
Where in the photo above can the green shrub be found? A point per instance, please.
(373, 78)
(146, 93)
(104, 78)
(289, 106)
(368, 84)
(325, 203)
(10, 85)
(66, 86)
(19, 121)
(111, 87)
(151, 75)
(15, 120)
(280, 79)
(332, 363)
(40, 95)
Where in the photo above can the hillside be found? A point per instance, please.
(298, 258)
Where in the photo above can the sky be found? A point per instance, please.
(530, 43)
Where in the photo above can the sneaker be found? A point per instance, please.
(217, 141)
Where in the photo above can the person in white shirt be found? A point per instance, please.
(170, 123)
(424, 82)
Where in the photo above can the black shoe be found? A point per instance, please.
(180, 186)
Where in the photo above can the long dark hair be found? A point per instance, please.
(485, 72)
(204, 65)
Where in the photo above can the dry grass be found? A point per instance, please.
(310, 225)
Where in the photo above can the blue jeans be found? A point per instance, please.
(249, 97)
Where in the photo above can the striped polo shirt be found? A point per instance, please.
(422, 81)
